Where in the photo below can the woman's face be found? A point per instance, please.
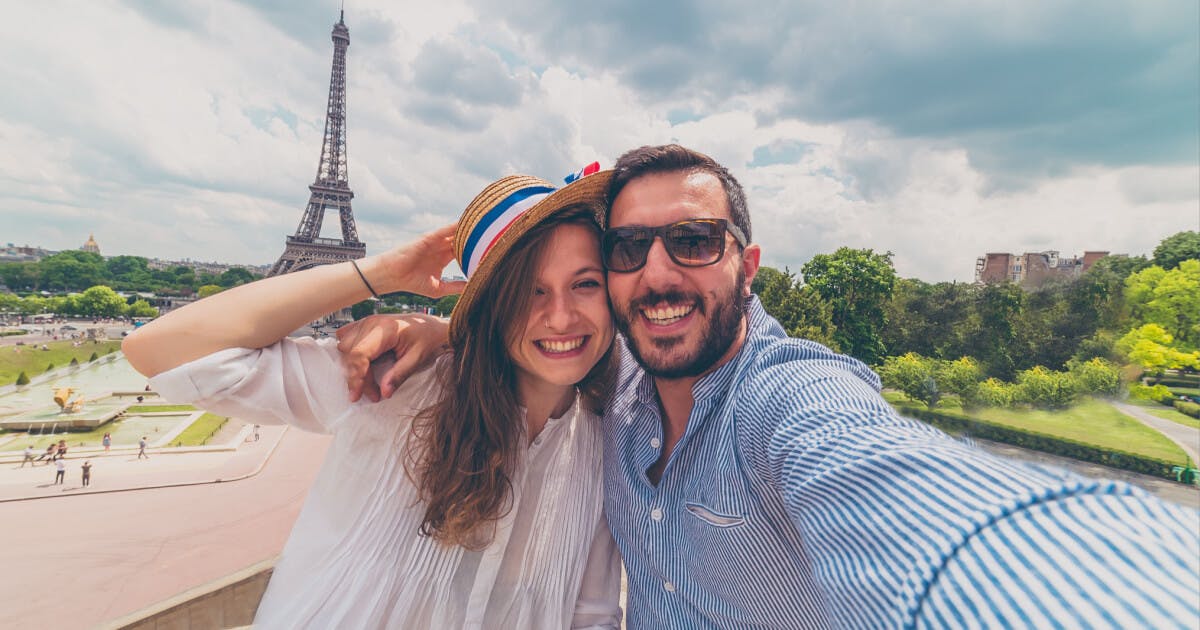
(569, 326)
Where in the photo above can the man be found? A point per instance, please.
(28, 456)
(142, 448)
(60, 471)
(753, 480)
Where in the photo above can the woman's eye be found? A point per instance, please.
(539, 292)
(588, 284)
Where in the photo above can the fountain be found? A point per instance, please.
(79, 413)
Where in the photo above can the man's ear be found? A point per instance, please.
(750, 259)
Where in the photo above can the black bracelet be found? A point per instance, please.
(364, 279)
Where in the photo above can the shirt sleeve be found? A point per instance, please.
(293, 381)
(907, 527)
(598, 606)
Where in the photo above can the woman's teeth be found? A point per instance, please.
(560, 346)
(667, 315)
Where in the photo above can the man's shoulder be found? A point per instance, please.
(789, 362)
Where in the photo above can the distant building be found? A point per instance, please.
(1032, 269)
(25, 253)
(214, 268)
(90, 245)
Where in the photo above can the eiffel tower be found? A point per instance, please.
(331, 190)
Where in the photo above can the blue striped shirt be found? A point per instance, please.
(797, 498)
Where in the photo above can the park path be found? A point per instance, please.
(1186, 437)
(79, 560)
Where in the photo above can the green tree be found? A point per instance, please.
(1046, 389)
(362, 309)
(235, 276)
(72, 270)
(799, 308)
(1177, 248)
(1153, 349)
(1096, 376)
(961, 377)
(914, 375)
(1169, 298)
(207, 290)
(993, 338)
(446, 305)
(20, 276)
(857, 283)
(140, 308)
(100, 301)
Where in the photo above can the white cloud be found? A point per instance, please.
(195, 135)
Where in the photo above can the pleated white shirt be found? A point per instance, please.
(355, 559)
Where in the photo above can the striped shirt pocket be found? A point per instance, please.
(714, 518)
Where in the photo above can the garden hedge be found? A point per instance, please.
(974, 427)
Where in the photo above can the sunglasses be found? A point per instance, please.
(690, 243)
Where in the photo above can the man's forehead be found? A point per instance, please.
(659, 198)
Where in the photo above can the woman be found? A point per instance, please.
(472, 498)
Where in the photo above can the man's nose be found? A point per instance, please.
(660, 269)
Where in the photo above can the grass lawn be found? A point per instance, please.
(202, 429)
(155, 408)
(1185, 391)
(1090, 421)
(32, 360)
(1167, 413)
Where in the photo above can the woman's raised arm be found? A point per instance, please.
(258, 314)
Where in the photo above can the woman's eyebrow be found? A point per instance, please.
(588, 269)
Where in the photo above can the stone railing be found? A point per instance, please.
(229, 602)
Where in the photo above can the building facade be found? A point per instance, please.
(1033, 269)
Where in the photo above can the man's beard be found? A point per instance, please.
(724, 323)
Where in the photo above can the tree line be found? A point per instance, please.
(1039, 343)
(75, 270)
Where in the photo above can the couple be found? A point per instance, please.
(748, 479)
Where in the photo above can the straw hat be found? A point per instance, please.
(504, 212)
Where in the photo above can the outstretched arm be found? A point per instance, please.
(258, 314)
(910, 528)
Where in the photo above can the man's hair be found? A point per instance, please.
(673, 158)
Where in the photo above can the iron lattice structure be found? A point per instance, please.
(331, 190)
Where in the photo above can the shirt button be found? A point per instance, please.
(655, 443)
(629, 420)
(537, 441)
(656, 514)
(669, 586)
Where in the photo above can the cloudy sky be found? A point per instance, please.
(937, 131)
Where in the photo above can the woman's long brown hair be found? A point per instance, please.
(468, 443)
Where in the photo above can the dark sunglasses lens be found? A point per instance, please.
(696, 242)
(625, 248)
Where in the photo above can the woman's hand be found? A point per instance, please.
(417, 267)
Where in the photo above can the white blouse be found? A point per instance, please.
(355, 559)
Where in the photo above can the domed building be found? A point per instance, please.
(90, 245)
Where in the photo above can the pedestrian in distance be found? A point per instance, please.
(257, 435)
(142, 448)
(48, 456)
(28, 456)
(107, 441)
(60, 471)
(87, 473)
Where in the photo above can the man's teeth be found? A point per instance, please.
(560, 346)
(667, 314)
